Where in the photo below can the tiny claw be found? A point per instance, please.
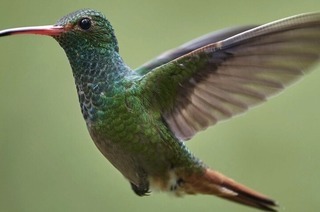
(141, 190)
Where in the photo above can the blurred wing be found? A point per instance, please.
(223, 79)
(190, 46)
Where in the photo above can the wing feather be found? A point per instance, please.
(222, 79)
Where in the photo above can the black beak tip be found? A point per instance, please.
(4, 33)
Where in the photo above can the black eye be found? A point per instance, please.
(85, 23)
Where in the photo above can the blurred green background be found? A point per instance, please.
(48, 161)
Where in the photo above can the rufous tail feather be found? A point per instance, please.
(215, 183)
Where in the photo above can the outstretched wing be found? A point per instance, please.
(190, 46)
(225, 78)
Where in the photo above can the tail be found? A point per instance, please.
(214, 183)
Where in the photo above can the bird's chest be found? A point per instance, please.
(122, 131)
(130, 135)
(117, 154)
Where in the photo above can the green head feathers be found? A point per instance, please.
(87, 29)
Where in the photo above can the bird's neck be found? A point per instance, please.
(95, 67)
(99, 75)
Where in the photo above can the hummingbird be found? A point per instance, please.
(140, 118)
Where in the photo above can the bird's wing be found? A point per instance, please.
(225, 78)
(190, 46)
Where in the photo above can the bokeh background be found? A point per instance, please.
(48, 161)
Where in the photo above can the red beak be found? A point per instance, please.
(50, 30)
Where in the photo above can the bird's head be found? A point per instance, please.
(86, 28)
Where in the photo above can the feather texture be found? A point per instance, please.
(225, 78)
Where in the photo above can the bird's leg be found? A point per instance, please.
(141, 185)
(142, 189)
